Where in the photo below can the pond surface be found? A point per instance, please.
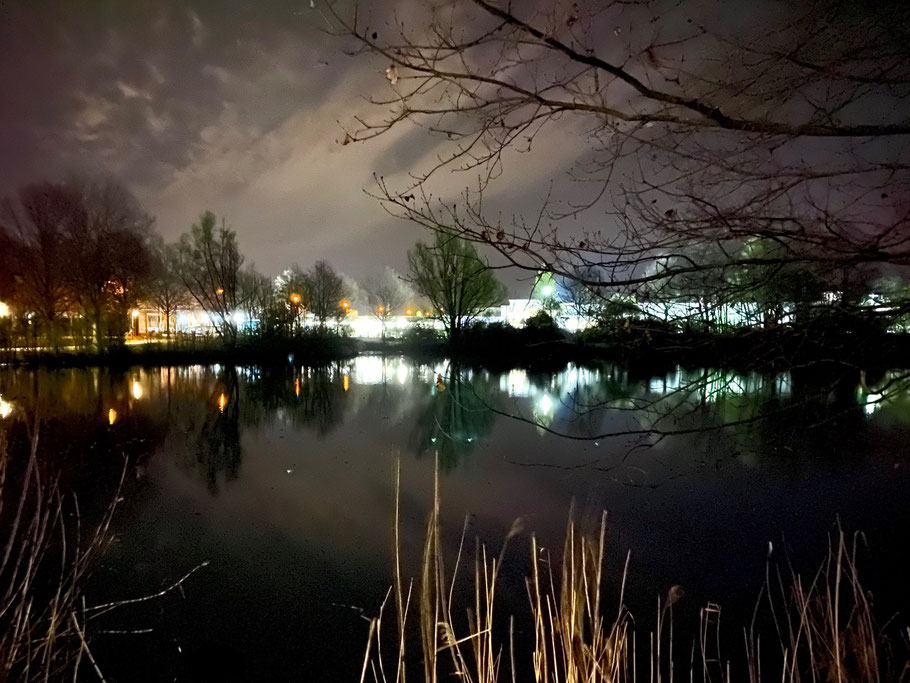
(281, 478)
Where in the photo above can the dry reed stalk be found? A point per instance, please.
(826, 629)
(43, 616)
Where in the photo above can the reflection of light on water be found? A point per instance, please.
(297, 387)
(222, 402)
(402, 373)
(6, 408)
(368, 369)
(545, 404)
(345, 382)
(136, 390)
(111, 416)
(515, 383)
(873, 403)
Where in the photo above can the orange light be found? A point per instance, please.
(295, 298)
(111, 416)
(408, 311)
(219, 291)
(222, 402)
(380, 309)
(345, 304)
(297, 387)
(345, 382)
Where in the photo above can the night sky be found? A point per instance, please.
(234, 106)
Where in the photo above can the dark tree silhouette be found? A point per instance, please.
(695, 133)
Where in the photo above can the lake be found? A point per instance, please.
(281, 478)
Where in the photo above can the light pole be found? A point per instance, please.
(295, 302)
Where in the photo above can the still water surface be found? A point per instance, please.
(282, 479)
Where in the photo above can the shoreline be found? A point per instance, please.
(766, 351)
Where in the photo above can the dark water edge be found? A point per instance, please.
(296, 555)
(501, 348)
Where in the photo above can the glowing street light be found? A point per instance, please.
(380, 309)
(408, 311)
(219, 291)
(345, 304)
(295, 298)
(111, 416)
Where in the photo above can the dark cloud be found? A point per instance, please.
(233, 106)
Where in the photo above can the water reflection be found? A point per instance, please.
(450, 409)
(281, 476)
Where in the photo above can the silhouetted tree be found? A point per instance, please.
(457, 282)
(108, 257)
(209, 265)
(165, 288)
(387, 294)
(325, 292)
(36, 231)
(255, 295)
(695, 133)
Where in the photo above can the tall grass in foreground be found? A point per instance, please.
(823, 627)
(45, 558)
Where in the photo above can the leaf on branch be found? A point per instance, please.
(391, 73)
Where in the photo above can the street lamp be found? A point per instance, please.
(295, 298)
(219, 291)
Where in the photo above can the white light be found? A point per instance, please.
(238, 317)
(548, 290)
(873, 403)
(402, 373)
(6, 408)
(545, 404)
(4, 310)
(136, 390)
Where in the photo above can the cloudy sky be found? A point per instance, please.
(229, 105)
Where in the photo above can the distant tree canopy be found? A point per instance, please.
(77, 247)
(457, 282)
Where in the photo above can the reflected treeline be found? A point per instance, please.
(88, 430)
(202, 412)
(455, 416)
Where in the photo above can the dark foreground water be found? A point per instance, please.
(282, 479)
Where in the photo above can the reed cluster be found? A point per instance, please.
(822, 627)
